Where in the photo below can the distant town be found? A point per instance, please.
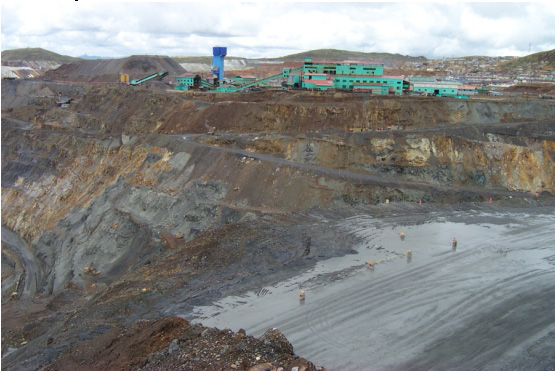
(485, 70)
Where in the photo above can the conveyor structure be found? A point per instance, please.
(266, 79)
(158, 75)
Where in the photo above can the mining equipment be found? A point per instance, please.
(158, 75)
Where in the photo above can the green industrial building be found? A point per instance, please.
(437, 89)
(431, 86)
(342, 68)
(244, 79)
(319, 81)
(351, 76)
(357, 77)
(188, 81)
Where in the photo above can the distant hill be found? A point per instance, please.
(544, 59)
(109, 70)
(85, 56)
(336, 54)
(204, 60)
(319, 54)
(35, 54)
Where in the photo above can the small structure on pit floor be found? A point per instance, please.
(63, 101)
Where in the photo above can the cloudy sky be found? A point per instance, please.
(273, 29)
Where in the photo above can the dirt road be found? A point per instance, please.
(379, 180)
(32, 272)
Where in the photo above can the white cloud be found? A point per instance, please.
(275, 29)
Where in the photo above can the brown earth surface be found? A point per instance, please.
(128, 109)
(534, 89)
(174, 343)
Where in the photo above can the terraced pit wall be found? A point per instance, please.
(483, 156)
(103, 182)
(81, 199)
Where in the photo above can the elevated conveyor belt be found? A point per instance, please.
(150, 77)
(266, 79)
(206, 84)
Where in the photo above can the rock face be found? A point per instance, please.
(478, 156)
(26, 69)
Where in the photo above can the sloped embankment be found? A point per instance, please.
(115, 201)
(518, 157)
(109, 70)
(128, 109)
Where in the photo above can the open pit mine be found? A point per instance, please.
(148, 228)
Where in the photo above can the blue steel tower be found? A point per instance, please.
(219, 54)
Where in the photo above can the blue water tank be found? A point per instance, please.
(220, 51)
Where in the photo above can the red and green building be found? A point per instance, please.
(351, 76)
(244, 79)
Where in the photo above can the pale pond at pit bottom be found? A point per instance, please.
(406, 306)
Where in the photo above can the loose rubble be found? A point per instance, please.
(174, 343)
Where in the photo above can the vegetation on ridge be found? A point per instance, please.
(36, 54)
(547, 59)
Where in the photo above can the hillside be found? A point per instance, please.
(327, 54)
(262, 66)
(336, 54)
(109, 70)
(35, 54)
(544, 59)
(204, 59)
